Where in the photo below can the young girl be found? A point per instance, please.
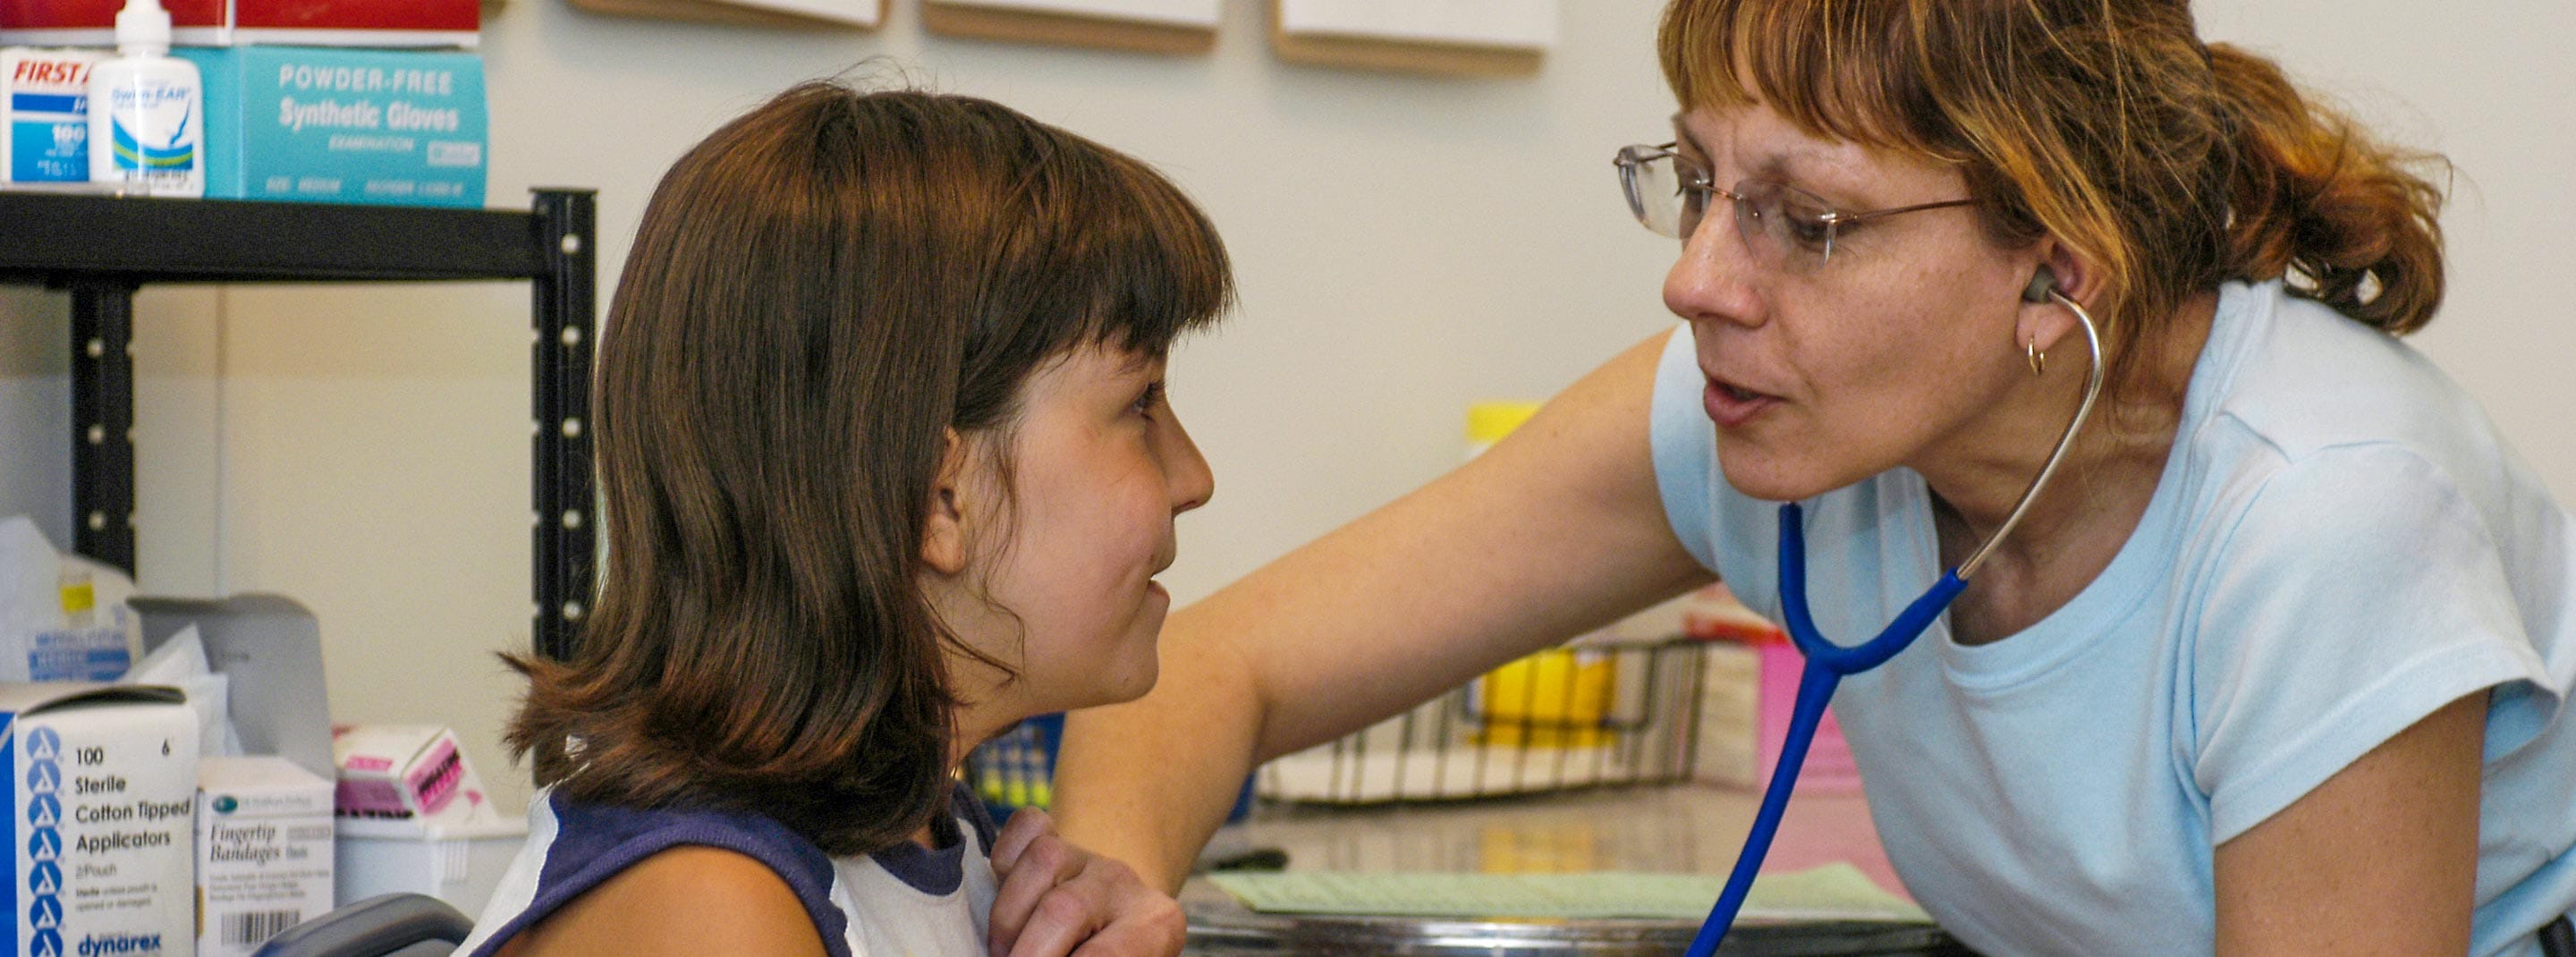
(887, 468)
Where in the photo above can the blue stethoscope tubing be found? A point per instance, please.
(1828, 663)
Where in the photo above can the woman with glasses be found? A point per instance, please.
(2277, 664)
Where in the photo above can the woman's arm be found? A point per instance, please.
(2380, 859)
(1555, 530)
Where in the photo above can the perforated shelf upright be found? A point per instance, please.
(100, 249)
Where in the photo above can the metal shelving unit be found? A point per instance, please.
(100, 249)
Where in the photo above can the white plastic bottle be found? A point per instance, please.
(147, 110)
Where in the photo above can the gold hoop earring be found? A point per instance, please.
(2038, 359)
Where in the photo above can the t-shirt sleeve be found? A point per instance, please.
(1685, 448)
(2357, 592)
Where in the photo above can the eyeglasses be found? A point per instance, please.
(1786, 228)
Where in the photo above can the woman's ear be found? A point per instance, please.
(2044, 321)
(943, 532)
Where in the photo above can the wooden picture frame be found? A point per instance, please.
(1477, 38)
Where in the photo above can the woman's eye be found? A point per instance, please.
(1149, 399)
(1808, 230)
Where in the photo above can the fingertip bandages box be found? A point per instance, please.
(264, 851)
(99, 794)
(331, 125)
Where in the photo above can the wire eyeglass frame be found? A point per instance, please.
(1770, 216)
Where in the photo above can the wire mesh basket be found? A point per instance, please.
(1595, 714)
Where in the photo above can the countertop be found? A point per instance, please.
(1659, 828)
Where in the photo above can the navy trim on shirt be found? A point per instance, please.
(596, 842)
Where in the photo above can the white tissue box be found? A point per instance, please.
(459, 862)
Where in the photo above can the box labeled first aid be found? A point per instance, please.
(356, 23)
(101, 783)
(44, 115)
(264, 851)
(329, 125)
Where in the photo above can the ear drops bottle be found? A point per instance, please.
(147, 110)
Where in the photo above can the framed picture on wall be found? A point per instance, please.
(1467, 37)
(1152, 26)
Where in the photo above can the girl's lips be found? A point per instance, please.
(1729, 406)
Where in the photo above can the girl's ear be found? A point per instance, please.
(943, 532)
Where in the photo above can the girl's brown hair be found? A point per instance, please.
(2170, 164)
(817, 293)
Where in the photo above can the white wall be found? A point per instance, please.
(1405, 245)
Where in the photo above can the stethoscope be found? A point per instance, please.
(1828, 663)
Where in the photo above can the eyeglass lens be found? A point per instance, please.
(1780, 225)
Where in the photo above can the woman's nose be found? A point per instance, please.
(1709, 283)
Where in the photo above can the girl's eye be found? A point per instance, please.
(1150, 399)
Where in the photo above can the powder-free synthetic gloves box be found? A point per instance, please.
(98, 796)
(313, 124)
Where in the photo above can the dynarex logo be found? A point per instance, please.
(45, 879)
(42, 778)
(47, 944)
(45, 845)
(107, 945)
(44, 811)
(43, 744)
(45, 914)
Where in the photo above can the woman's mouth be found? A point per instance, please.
(1730, 405)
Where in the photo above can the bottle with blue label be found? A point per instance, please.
(147, 110)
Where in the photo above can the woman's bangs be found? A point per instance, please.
(1833, 68)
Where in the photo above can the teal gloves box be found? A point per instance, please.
(339, 125)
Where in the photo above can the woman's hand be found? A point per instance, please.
(1057, 899)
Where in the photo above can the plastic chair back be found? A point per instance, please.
(411, 925)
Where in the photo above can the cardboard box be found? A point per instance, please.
(315, 124)
(399, 771)
(98, 798)
(44, 115)
(356, 23)
(264, 851)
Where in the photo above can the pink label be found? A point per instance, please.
(362, 798)
(364, 763)
(434, 783)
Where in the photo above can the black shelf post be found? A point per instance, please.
(566, 539)
(103, 421)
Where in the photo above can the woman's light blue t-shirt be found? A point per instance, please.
(2339, 545)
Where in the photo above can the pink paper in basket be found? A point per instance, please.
(1829, 768)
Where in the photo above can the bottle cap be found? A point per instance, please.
(143, 24)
